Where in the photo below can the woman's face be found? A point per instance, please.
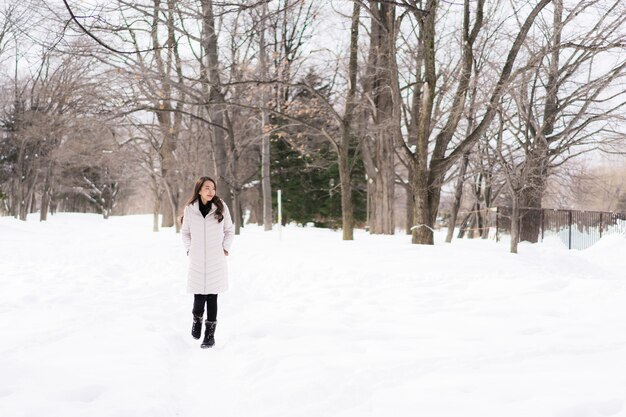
(207, 191)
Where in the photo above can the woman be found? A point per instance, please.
(207, 235)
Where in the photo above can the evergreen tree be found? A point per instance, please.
(305, 167)
(308, 184)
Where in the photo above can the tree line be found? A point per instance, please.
(412, 97)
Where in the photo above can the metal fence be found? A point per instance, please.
(576, 229)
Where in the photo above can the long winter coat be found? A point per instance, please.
(205, 241)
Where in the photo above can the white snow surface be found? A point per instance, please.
(95, 321)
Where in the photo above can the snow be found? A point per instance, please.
(94, 321)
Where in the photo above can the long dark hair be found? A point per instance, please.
(219, 213)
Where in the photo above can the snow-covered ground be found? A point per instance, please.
(95, 321)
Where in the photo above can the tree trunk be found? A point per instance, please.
(216, 108)
(170, 208)
(53, 202)
(530, 198)
(155, 213)
(422, 229)
(235, 186)
(458, 194)
(383, 39)
(157, 195)
(463, 226)
(236, 211)
(45, 196)
(488, 198)
(410, 209)
(383, 197)
(347, 216)
(27, 191)
(475, 222)
(259, 206)
(537, 158)
(169, 121)
(266, 185)
(45, 206)
(20, 201)
(343, 150)
(13, 204)
(480, 220)
(515, 221)
(32, 207)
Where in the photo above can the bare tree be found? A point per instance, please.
(337, 128)
(265, 141)
(566, 105)
(46, 106)
(430, 163)
(518, 174)
(380, 84)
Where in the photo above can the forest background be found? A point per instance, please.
(384, 115)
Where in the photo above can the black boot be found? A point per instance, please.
(196, 328)
(209, 340)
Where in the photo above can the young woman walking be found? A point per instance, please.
(207, 235)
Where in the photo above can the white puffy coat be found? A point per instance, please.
(205, 241)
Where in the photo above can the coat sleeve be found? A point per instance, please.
(229, 230)
(186, 231)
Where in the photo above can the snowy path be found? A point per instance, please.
(94, 321)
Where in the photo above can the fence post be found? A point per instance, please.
(542, 225)
(569, 219)
(601, 225)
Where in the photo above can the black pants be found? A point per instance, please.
(211, 306)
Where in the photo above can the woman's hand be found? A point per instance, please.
(225, 252)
